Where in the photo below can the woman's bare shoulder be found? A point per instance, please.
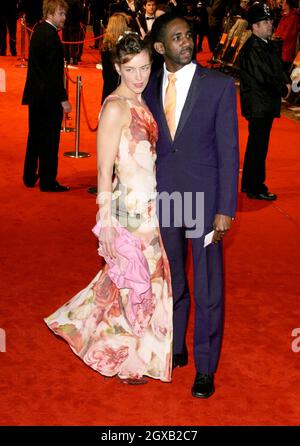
(115, 108)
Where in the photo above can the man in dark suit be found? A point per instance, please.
(72, 31)
(8, 22)
(131, 8)
(263, 83)
(216, 11)
(147, 16)
(33, 10)
(200, 160)
(46, 97)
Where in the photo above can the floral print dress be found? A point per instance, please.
(94, 321)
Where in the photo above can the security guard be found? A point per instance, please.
(262, 85)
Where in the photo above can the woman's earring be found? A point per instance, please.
(119, 80)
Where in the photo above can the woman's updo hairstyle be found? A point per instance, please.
(128, 45)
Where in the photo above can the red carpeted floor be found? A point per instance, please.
(48, 254)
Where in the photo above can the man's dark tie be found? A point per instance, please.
(150, 18)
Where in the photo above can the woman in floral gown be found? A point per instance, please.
(121, 324)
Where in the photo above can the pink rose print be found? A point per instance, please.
(105, 359)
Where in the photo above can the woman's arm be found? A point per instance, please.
(113, 117)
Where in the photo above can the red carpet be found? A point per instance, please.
(48, 254)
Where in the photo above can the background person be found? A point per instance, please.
(288, 30)
(46, 97)
(118, 23)
(8, 24)
(147, 17)
(262, 84)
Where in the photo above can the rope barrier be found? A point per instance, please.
(91, 39)
(68, 77)
(82, 41)
(28, 29)
(92, 129)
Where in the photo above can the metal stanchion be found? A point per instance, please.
(66, 117)
(23, 63)
(77, 154)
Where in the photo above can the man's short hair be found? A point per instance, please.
(160, 24)
(149, 1)
(50, 6)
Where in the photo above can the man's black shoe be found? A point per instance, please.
(268, 196)
(244, 190)
(56, 187)
(180, 360)
(30, 183)
(203, 385)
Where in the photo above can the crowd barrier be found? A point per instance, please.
(77, 153)
(23, 63)
(24, 28)
(67, 128)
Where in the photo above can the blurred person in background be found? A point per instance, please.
(132, 8)
(46, 97)
(216, 12)
(147, 17)
(117, 24)
(8, 24)
(275, 8)
(99, 11)
(262, 85)
(288, 30)
(33, 10)
(71, 31)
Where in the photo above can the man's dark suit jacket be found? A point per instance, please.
(123, 7)
(45, 75)
(204, 154)
(143, 22)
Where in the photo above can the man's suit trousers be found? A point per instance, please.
(254, 170)
(43, 143)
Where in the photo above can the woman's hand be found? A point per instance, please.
(107, 241)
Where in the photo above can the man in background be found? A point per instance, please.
(262, 84)
(46, 97)
(147, 17)
(8, 22)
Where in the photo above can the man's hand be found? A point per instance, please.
(66, 106)
(222, 224)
